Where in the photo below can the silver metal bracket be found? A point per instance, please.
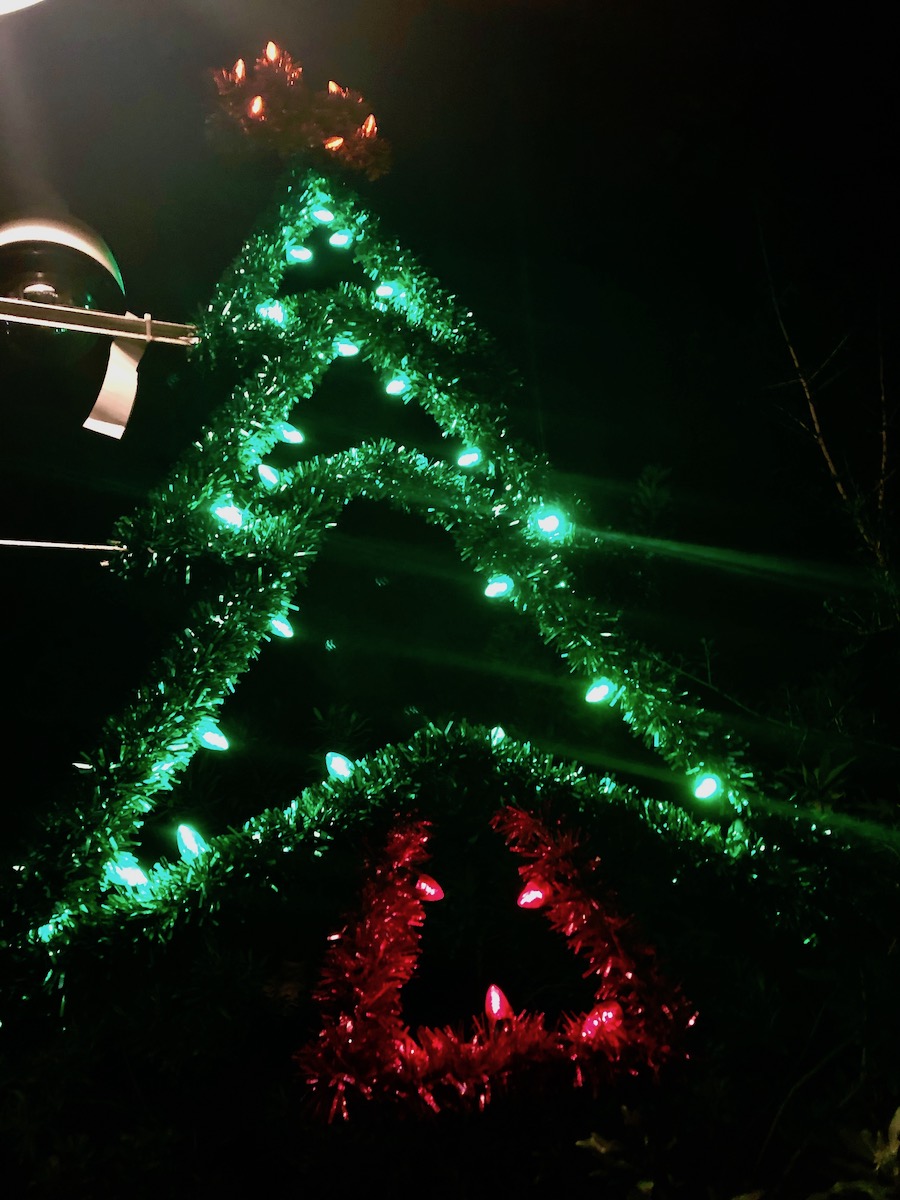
(86, 320)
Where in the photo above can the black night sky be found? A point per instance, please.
(619, 191)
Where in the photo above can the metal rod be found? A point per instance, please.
(85, 320)
(62, 545)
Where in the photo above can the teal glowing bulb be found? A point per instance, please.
(341, 239)
(599, 691)
(211, 736)
(384, 290)
(498, 733)
(269, 475)
(397, 384)
(271, 310)
(288, 433)
(281, 627)
(469, 458)
(298, 254)
(133, 876)
(124, 868)
(550, 522)
(707, 787)
(190, 843)
(345, 348)
(229, 514)
(337, 766)
(323, 215)
(499, 585)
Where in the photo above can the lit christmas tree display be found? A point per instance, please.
(235, 531)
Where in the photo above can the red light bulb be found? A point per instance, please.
(534, 894)
(496, 1005)
(428, 888)
(603, 1017)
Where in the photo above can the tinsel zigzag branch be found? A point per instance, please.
(181, 891)
(389, 330)
(493, 535)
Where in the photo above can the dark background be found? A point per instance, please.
(618, 193)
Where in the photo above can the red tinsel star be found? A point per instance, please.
(270, 102)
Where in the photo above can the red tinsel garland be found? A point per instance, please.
(270, 102)
(365, 1048)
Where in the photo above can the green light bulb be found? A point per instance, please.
(550, 522)
(323, 215)
(499, 585)
(470, 457)
(190, 843)
(211, 736)
(269, 475)
(281, 627)
(342, 238)
(397, 384)
(346, 348)
(298, 254)
(271, 310)
(599, 691)
(124, 868)
(498, 733)
(229, 514)
(288, 433)
(707, 787)
(337, 766)
(386, 289)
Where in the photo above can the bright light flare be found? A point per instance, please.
(11, 6)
